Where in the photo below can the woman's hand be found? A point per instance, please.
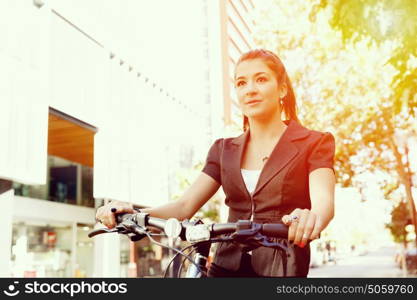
(304, 225)
(105, 215)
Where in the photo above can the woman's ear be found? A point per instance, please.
(282, 91)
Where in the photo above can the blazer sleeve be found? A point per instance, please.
(212, 166)
(322, 154)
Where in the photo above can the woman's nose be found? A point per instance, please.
(251, 88)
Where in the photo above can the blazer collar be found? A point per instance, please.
(294, 130)
(283, 152)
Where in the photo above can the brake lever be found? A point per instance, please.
(250, 238)
(102, 230)
(125, 227)
(265, 242)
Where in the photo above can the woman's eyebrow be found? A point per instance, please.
(256, 74)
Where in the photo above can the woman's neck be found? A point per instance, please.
(263, 131)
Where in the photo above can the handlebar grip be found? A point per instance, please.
(218, 229)
(148, 221)
(275, 230)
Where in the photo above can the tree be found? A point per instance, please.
(382, 22)
(343, 87)
(399, 220)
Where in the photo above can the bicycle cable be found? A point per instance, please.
(173, 249)
(174, 257)
(182, 263)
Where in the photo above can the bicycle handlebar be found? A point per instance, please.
(248, 234)
(191, 231)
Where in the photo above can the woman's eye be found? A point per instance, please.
(262, 79)
(240, 83)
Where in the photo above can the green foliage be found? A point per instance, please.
(382, 21)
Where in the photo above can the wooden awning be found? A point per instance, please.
(70, 138)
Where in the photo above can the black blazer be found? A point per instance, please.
(283, 186)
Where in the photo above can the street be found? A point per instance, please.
(379, 263)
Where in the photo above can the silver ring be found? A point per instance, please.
(294, 219)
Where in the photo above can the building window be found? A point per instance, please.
(70, 163)
(68, 182)
(47, 250)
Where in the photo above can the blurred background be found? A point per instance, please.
(103, 100)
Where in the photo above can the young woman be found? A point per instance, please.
(276, 171)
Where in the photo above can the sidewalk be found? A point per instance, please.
(379, 263)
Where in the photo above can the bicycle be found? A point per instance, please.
(200, 236)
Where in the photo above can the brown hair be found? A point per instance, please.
(276, 66)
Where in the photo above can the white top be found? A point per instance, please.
(250, 177)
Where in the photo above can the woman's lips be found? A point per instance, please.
(253, 102)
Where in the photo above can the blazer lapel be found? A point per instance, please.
(283, 152)
(233, 158)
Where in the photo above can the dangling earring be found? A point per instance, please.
(281, 102)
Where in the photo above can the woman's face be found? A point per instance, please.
(257, 89)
